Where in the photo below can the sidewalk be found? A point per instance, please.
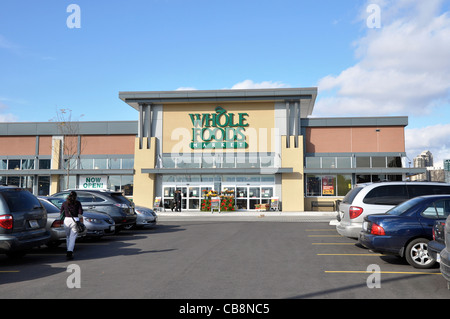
(306, 216)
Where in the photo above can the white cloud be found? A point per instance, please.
(249, 84)
(246, 84)
(434, 138)
(403, 68)
(6, 116)
(186, 88)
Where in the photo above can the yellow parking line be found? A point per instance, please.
(5, 271)
(321, 230)
(324, 236)
(351, 255)
(333, 243)
(380, 272)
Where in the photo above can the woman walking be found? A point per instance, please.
(72, 210)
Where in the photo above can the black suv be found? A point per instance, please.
(22, 221)
(112, 203)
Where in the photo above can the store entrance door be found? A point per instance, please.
(191, 195)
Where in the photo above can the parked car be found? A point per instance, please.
(376, 198)
(438, 243)
(97, 224)
(146, 217)
(445, 255)
(23, 221)
(117, 206)
(406, 229)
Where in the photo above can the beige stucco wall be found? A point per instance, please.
(292, 186)
(144, 184)
(177, 125)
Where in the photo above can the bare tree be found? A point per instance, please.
(69, 129)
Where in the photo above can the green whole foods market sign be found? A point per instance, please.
(218, 130)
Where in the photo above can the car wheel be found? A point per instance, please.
(417, 255)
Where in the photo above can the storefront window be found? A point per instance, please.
(328, 162)
(241, 192)
(43, 185)
(363, 161)
(344, 184)
(44, 164)
(328, 185)
(13, 164)
(114, 163)
(394, 161)
(313, 162)
(114, 183)
(363, 179)
(127, 185)
(313, 185)
(127, 163)
(378, 161)
(86, 163)
(344, 162)
(100, 163)
(28, 164)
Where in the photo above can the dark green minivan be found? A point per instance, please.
(22, 221)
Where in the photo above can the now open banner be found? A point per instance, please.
(93, 182)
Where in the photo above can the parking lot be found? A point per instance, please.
(263, 257)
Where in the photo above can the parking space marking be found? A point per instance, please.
(333, 244)
(7, 271)
(328, 229)
(351, 255)
(324, 236)
(380, 272)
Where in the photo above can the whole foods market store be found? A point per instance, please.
(254, 147)
(245, 143)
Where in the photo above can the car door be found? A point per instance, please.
(438, 209)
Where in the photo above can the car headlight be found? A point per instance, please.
(93, 220)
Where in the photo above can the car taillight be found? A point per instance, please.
(434, 235)
(121, 205)
(57, 223)
(355, 211)
(6, 221)
(377, 230)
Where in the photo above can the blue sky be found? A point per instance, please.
(400, 68)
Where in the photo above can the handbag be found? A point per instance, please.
(81, 228)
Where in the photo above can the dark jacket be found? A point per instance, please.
(75, 209)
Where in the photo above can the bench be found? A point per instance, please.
(317, 204)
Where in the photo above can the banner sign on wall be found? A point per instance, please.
(93, 182)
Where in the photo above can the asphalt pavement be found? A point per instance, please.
(268, 216)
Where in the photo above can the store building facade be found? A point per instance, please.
(258, 144)
(261, 144)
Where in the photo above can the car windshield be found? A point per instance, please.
(351, 195)
(49, 207)
(403, 207)
(120, 198)
(20, 200)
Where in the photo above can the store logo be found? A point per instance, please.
(218, 130)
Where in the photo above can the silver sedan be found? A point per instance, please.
(146, 217)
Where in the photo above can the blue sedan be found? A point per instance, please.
(406, 229)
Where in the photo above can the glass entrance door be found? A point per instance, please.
(246, 197)
(191, 195)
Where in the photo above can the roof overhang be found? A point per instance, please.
(307, 96)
